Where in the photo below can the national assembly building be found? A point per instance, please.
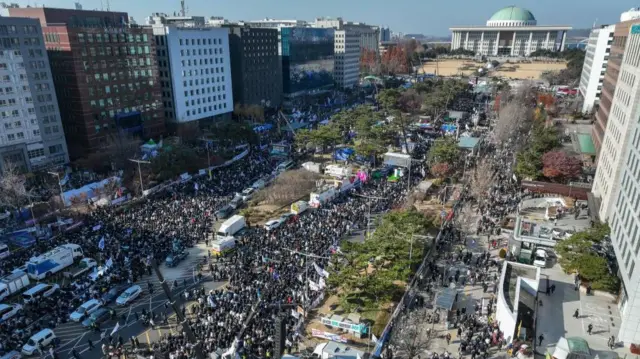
(511, 31)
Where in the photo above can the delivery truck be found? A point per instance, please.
(13, 283)
(231, 226)
(82, 267)
(299, 207)
(223, 245)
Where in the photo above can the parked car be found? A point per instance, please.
(112, 294)
(175, 258)
(272, 224)
(224, 212)
(99, 316)
(85, 309)
(247, 193)
(8, 311)
(129, 295)
(557, 233)
(540, 259)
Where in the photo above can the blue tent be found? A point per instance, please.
(343, 154)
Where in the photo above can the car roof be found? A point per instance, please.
(271, 221)
(3, 306)
(100, 311)
(89, 302)
(132, 288)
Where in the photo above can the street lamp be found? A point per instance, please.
(140, 172)
(59, 184)
(369, 214)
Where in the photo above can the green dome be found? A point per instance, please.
(513, 13)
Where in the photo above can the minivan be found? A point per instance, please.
(41, 290)
(39, 340)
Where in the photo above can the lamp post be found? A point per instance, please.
(369, 213)
(306, 272)
(140, 172)
(59, 184)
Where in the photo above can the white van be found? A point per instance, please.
(41, 290)
(540, 259)
(41, 339)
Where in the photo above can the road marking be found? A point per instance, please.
(82, 336)
(146, 333)
(127, 320)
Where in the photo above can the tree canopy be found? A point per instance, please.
(444, 150)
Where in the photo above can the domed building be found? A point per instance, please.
(511, 31)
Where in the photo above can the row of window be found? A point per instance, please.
(197, 42)
(13, 29)
(118, 63)
(202, 72)
(101, 103)
(200, 52)
(113, 38)
(115, 51)
(204, 109)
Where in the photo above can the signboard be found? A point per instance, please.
(356, 328)
(329, 336)
(635, 29)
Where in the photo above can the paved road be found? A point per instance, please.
(74, 336)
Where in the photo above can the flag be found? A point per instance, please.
(300, 278)
(313, 286)
(101, 243)
(64, 180)
(321, 272)
(258, 293)
(276, 276)
(109, 262)
(115, 329)
(374, 338)
(322, 283)
(212, 304)
(195, 185)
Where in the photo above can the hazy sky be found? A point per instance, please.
(408, 16)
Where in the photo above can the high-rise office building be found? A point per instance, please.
(347, 58)
(307, 60)
(609, 82)
(595, 65)
(385, 34)
(256, 70)
(369, 35)
(105, 74)
(31, 134)
(625, 192)
(195, 70)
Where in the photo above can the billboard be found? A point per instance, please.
(307, 58)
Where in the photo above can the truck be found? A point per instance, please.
(223, 245)
(57, 259)
(231, 226)
(13, 283)
(82, 267)
(299, 207)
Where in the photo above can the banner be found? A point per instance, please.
(329, 336)
(97, 227)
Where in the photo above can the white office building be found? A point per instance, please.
(624, 216)
(31, 134)
(625, 111)
(595, 65)
(195, 70)
(347, 58)
(369, 35)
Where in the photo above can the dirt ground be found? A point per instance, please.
(523, 71)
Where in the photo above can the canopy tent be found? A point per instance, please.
(447, 298)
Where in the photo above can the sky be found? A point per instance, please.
(407, 16)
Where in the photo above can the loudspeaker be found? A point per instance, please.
(281, 336)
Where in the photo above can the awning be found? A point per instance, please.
(446, 298)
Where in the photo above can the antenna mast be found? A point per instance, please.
(183, 12)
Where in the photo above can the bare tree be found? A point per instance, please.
(466, 220)
(13, 192)
(411, 335)
(481, 180)
(288, 187)
(514, 121)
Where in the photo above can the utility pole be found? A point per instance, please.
(306, 272)
(369, 214)
(140, 172)
(206, 143)
(59, 184)
(197, 346)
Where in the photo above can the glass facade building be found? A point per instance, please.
(307, 60)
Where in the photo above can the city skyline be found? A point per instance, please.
(412, 16)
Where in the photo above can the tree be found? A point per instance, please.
(411, 334)
(482, 180)
(444, 150)
(559, 166)
(577, 254)
(441, 170)
(514, 121)
(388, 99)
(13, 192)
(370, 62)
(528, 164)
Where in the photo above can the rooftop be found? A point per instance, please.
(468, 143)
(512, 13)
(586, 144)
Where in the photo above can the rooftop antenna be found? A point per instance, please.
(101, 5)
(183, 11)
(108, 5)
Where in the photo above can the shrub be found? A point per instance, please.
(502, 253)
